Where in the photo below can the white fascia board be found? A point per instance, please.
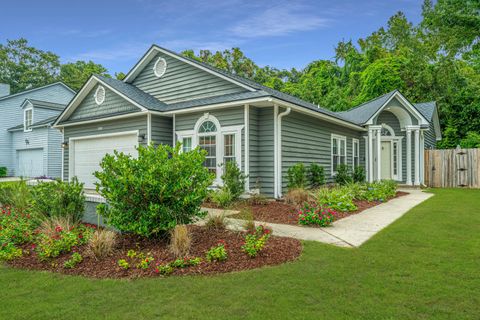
(405, 103)
(154, 49)
(318, 115)
(84, 92)
(128, 115)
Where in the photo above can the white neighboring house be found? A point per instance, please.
(29, 146)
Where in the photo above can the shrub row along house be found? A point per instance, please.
(167, 98)
(29, 146)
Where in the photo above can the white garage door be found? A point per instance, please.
(88, 153)
(30, 163)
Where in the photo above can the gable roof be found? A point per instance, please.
(44, 104)
(42, 123)
(139, 98)
(364, 113)
(35, 89)
(260, 90)
(427, 109)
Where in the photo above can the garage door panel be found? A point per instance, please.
(88, 153)
(30, 163)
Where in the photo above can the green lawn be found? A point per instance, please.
(424, 266)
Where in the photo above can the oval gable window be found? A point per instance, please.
(160, 67)
(100, 95)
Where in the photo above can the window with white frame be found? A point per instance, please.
(229, 148)
(187, 144)
(339, 151)
(356, 153)
(28, 119)
(209, 144)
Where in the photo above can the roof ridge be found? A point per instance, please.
(37, 88)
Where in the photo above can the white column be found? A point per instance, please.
(409, 156)
(379, 153)
(247, 147)
(417, 156)
(370, 155)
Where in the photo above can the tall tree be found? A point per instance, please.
(75, 74)
(24, 67)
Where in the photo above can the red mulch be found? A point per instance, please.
(277, 250)
(284, 213)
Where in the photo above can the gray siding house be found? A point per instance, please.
(167, 98)
(29, 146)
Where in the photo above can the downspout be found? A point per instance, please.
(279, 151)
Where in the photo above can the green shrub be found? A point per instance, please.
(233, 179)
(296, 176)
(316, 175)
(222, 197)
(15, 229)
(381, 190)
(153, 193)
(3, 171)
(217, 253)
(59, 199)
(15, 194)
(358, 174)
(122, 263)
(73, 261)
(338, 199)
(343, 175)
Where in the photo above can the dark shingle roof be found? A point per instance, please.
(42, 123)
(134, 93)
(360, 114)
(218, 99)
(426, 109)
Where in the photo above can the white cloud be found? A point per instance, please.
(124, 52)
(278, 21)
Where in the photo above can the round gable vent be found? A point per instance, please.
(100, 95)
(160, 67)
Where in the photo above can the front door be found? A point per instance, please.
(386, 160)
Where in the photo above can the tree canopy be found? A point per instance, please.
(436, 60)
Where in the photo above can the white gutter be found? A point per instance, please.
(278, 179)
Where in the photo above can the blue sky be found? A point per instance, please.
(282, 34)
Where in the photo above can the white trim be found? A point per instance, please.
(100, 100)
(174, 134)
(417, 157)
(87, 87)
(72, 140)
(422, 157)
(275, 151)
(122, 116)
(379, 154)
(155, 71)
(247, 146)
(409, 156)
(150, 54)
(338, 137)
(354, 150)
(30, 108)
(421, 119)
(279, 150)
(149, 128)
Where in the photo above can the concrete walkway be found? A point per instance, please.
(351, 231)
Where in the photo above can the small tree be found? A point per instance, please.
(296, 176)
(233, 179)
(316, 175)
(153, 193)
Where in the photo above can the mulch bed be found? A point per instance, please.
(277, 251)
(284, 213)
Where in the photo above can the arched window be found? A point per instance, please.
(207, 140)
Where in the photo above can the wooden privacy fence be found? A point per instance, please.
(452, 168)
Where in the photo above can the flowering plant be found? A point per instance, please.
(255, 242)
(310, 214)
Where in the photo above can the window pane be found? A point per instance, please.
(187, 144)
(229, 148)
(207, 126)
(335, 148)
(208, 143)
(342, 147)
